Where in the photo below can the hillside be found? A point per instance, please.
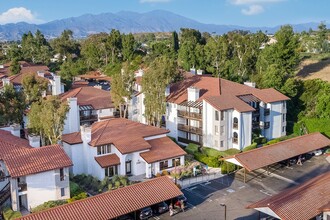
(315, 69)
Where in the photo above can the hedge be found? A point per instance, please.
(274, 141)
(259, 140)
(192, 148)
(208, 160)
(250, 147)
(75, 189)
(227, 167)
(9, 214)
(49, 204)
(211, 152)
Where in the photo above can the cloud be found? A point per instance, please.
(18, 14)
(253, 7)
(154, 1)
(253, 10)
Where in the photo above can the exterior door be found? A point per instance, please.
(128, 167)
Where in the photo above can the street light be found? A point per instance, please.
(224, 205)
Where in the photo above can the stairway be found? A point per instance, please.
(4, 194)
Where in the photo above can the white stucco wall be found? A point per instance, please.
(172, 119)
(277, 109)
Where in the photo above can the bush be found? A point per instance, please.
(211, 152)
(250, 147)
(192, 148)
(210, 161)
(165, 173)
(123, 180)
(227, 167)
(260, 140)
(49, 204)
(9, 214)
(82, 195)
(231, 151)
(274, 141)
(75, 189)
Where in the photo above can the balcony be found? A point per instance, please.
(255, 125)
(22, 187)
(256, 113)
(187, 141)
(190, 115)
(190, 129)
(266, 111)
(267, 125)
(88, 118)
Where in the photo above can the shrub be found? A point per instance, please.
(231, 151)
(49, 204)
(250, 147)
(115, 178)
(82, 195)
(192, 148)
(211, 152)
(158, 174)
(210, 161)
(123, 180)
(117, 184)
(260, 140)
(9, 214)
(274, 141)
(165, 173)
(227, 167)
(110, 186)
(75, 189)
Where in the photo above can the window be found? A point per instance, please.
(216, 130)
(62, 192)
(61, 174)
(176, 162)
(222, 130)
(110, 171)
(221, 143)
(235, 124)
(284, 104)
(222, 115)
(283, 117)
(235, 138)
(163, 165)
(267, 125)
(266, 111)
(104, 149)
(283, 129)
(216, 115)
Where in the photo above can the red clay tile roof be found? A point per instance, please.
(267, 155)
(162, 149)
(107, 160)
(226, 102)
(96, 75)
(98, 98)
(301, 202)
(72, 138)
(209, 87)
(126, 135)
(114, 203)
(21, 159)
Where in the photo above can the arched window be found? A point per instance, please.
(235, 138)
(235, 124)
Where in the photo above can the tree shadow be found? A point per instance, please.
(313, 68)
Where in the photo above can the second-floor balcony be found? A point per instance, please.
(190, 129)
(266, 111)
(255, 124)
(88, 117)
(22, 187)
(191, 115)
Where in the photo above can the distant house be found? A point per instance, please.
(309, 200)
(136, 107)
(87, 105)
(123, 147)
(55, 87)
(29, 174)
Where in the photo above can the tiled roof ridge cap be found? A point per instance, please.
(101, 132)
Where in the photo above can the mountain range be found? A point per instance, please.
(127, 21)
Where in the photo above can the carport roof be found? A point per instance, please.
(264, 156)
(302, 202)
(114, 203)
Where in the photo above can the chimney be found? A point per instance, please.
(5, 81)
(193, 70)
(41, 74)
(73, 118)
(193, 94)
(86, 133)
(34, 141)
(15, 129)
(251, 84)
(167, 90)
(200, 72)
(56, 90)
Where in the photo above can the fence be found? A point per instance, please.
(198, 179)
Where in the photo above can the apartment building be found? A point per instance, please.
(136, 107)
(221, 114)
(87, 105)
(29, 174)
(123, 147)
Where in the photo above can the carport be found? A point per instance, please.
(265, 156)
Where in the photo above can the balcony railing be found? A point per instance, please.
(187, 141)
(235, 125)
(267, 125)
(266, 111)
(22, 187)
(256, 113)
(255, 125)
(192, 115)
(190, 129)
(88, 118)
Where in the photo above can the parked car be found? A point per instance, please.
(316, 153)
(145, 213)
(159, 208)
(125, 217)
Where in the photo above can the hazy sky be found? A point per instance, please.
(230, 12)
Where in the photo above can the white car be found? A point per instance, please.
(316, 153)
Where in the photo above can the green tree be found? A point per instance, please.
(33, 87)
(12, 105)
(273, 77)
(15, 67)
(114, 44)
(70, 69)
(175, 41)
(321, 38)
(65, 45)
(47, 117)
(160, 73)
(128, 46)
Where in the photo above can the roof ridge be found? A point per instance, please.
(102, 132)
